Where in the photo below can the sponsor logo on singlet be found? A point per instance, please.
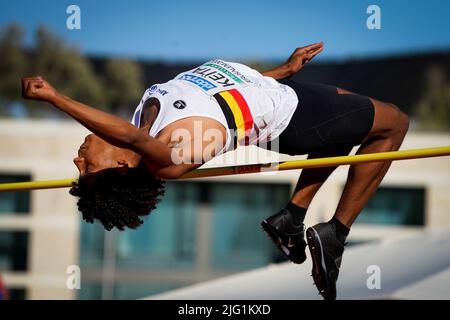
(179, 104)
(214, 74)
(154, 89)
(229, 68)
(199, 81)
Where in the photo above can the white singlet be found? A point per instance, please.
(261, 106)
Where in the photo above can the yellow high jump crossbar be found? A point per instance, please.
(255, 168)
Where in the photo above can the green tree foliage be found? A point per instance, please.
(117, 87)
(66, 69)
(13, 62)
(123, 83)
(433, 110)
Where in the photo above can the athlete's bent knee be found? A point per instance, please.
(402, 125)
(404, 122)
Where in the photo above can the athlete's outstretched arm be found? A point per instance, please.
(112, 129)
(295, 62)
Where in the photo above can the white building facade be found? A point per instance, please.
(42, 234)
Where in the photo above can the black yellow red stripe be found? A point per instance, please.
(237, 113)
(229, 117)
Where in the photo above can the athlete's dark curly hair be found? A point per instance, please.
(117, 199)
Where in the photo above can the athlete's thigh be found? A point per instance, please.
(385, 115)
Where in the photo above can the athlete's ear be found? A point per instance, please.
(122, 166)
(81, 164)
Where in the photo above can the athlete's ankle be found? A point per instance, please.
(300, 202)
(342, 230)
(298, 213)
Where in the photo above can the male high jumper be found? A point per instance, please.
(214, 108)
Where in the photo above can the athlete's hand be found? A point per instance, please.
(303, 55)
(36, 88)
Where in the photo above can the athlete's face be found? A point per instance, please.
(96, 154)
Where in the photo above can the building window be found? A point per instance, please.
(17, 294)
(164, 253)
(92, 242)
(14, 202)
(90, 290)
(167, 237)
(395, 206)
(13, 250)
(237, 211)
(133, 290)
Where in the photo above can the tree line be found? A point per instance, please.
(116, 85)
(116, 89)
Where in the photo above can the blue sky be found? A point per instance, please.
(174, 30)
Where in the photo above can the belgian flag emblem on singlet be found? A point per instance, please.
(237, 114)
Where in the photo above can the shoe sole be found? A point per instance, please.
(319, 270)
(273, 235)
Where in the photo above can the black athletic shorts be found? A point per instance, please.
(324, 119)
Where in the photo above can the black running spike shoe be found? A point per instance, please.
(287, 237)
(326, 253)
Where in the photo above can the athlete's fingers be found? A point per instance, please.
(29, 81)
(309, 56)
(313, 54)
(308, 49)
(313, 47)
(304, 54)
(302, 50)
(38, 84)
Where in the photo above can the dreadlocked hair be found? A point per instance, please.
(118, 199)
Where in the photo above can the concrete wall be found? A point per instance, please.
(44, 150)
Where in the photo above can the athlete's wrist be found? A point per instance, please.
(55, 98)
(291, 69)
